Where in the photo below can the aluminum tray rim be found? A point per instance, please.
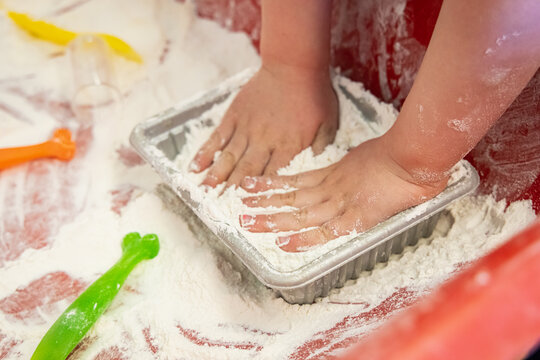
(248, 254)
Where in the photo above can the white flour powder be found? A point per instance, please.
(188, 286)
(191, 301)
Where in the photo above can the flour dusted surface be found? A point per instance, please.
(188, 289)
(189, 302)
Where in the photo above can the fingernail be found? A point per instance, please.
(206, 188)
(211, 180)
(247, 221)
(282, 241)
(272, 226)
(249, 182)
(250, 201)
(194, 167)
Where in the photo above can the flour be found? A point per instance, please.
(193, 301)
(362, 117)
(188, 286)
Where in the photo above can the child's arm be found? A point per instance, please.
(482, 54)
(480, 57)
(287, 106)
(296, 34)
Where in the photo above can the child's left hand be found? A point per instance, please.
(363, 189)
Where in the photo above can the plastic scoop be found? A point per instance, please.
(60, 146)
(80, 316)
(56, 35)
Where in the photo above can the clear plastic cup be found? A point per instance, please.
(95, 92)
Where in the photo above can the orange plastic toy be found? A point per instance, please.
(60, 146)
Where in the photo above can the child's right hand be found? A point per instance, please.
(279, 112)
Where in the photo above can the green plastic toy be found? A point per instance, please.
(80, 316)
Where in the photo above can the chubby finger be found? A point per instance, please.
(279, 159)
(226, 161)
(308, 179)
(308, 216)
(217, 141)
(330, 230)
(252, 163)
(297, 198)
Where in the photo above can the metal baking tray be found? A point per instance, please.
(159, 140)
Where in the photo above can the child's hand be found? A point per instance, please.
(363, 189)
(277, 114)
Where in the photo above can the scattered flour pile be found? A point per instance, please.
(193, 301)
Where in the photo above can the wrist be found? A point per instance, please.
(297, 73)
(314, 61)
(296, 34)
(408, 162)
